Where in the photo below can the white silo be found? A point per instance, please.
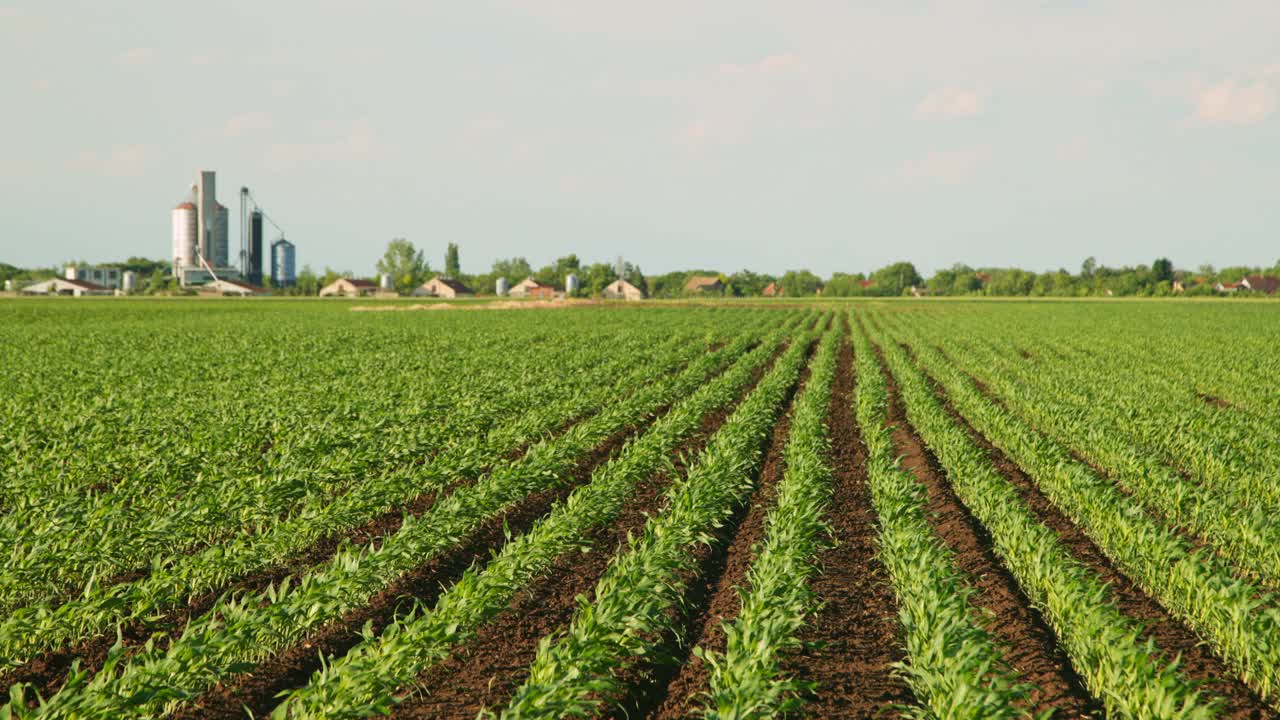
(384, 281)
(129, 281)
(185, 236)
(570, 284)
(502, 287)
(8, 286)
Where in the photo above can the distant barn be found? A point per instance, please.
(703, 284)
(443, 287)
(63, 286)
(349, 287)
(773, 289)
(622, 290)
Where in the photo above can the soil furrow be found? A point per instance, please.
(1028, 644)
(488, 669)
(1172, 638)
(851, 645)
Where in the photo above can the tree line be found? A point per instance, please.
(409, 267)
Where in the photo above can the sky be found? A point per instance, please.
(833, 136)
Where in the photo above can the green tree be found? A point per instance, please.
(452, 265)
(1088, 267)
(896, 278)
(406, 264)
(800, 283)
(745, 283)
(308, 282)
(1162, 270)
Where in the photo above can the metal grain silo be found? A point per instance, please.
(221, 248)
(384, 282)
(255, 247)
(283, 257)
(129, 281)
(570, 284)
(502, 287)
(185, 236)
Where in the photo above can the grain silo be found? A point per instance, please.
(221, 248)
(129, 281)
(185, 236)
(255, 248)
(502, 287)
(570, 285)
(385, 283)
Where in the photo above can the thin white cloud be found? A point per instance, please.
(246, 123)
(358, 144)
(713, 128)
(136, 57)
(945, 166)
(950, 102)
(123, 160)
(1232, 103)
(772, 64)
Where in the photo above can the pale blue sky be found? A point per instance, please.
(729, 134)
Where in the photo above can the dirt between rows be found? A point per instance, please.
(1027, 643)
(850, 647)
(1197, 663)
(488, 668)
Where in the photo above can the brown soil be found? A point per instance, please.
(850, 647)
(488, 669)
(1213, 400)
(1028, 644)
(1198, 662)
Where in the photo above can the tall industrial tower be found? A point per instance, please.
(200, 243)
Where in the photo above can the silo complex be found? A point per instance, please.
(202, 243)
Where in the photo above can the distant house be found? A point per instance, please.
(522, 288)
(65, 286)
(223, 286)
(1260, 283)
(704, 284)
(773, 289)
(864, 284)
(443, 287)
(622, 290)
(919, 291)
(349, 287)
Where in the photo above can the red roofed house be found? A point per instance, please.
(773, 289)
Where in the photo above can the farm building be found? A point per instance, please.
(704, 284)
(522, 288)
(544, 292)
(349, 287)
(1260, 283)
(622, 290)
(65, 286)
(443, 287)
(773, 289)
(225, 287)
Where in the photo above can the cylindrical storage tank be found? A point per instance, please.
(185, 235)
(220, 245)
(502, 287)
(384, 281)
(8, 286)
(255, 247)
(570, 284)
(129, 281)
(69, 272)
